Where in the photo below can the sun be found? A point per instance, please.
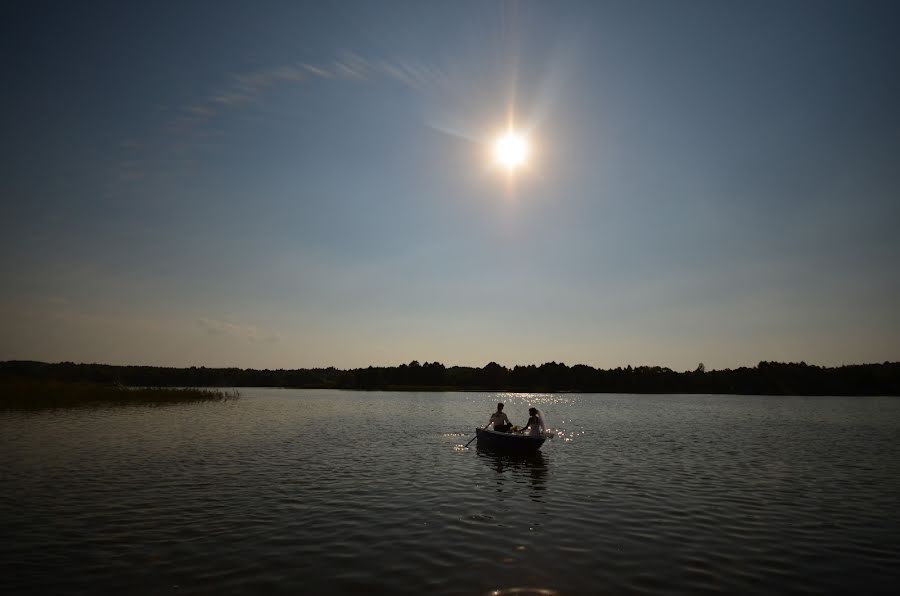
(511, 150)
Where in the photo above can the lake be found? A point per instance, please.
(306, 491)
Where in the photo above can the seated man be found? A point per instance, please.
(500, 421)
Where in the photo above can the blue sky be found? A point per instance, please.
(286, 185)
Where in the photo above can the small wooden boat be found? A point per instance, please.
(509, 442)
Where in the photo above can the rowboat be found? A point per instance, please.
(509, 442)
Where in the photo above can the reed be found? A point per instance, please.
(24, 393)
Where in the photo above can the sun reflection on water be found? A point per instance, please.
(560, 411)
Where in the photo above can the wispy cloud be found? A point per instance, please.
(191, 127)
(233, 329)
(248, 87)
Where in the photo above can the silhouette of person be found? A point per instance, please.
(500, 421)
(535, 426)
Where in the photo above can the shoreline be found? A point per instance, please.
(767, 378)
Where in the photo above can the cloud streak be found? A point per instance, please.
(246, 88)
(219, 327)
(191, 127)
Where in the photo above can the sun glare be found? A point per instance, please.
(511, 150)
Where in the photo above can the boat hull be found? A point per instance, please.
(508, 442)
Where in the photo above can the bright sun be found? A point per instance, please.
(511, 150)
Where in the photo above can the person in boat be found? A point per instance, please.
(535, 427)
(500, 421)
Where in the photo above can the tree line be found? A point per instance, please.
(766, 378)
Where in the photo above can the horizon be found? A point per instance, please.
(510, 367)
(369, 184)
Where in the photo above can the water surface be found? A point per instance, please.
(344, 492)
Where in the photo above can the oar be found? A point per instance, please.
(476, 436)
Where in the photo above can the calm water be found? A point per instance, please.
(341, 492)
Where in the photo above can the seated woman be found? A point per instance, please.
(500, 421)
(535, 427)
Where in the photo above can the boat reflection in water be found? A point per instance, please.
(527, 468)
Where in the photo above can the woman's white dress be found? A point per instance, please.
(539, 429)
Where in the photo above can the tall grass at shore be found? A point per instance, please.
(24, 393)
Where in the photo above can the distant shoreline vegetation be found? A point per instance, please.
(33, 392)
(767, 378)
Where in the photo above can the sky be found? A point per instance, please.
(286, 185)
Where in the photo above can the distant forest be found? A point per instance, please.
(767, 378)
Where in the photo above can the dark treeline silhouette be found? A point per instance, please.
(767, 378)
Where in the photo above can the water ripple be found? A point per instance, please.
(334, 492)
